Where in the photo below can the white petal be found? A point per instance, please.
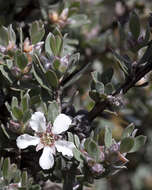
(65, 147)
(61, 124)
(39, 146)
(46, 160)
(26, 140)
(38, 122)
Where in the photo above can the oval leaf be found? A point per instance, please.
(126, 144)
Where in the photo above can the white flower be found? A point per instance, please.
(48, 138)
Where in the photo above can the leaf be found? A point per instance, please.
(25, 102)
(72, 65)
(139, 142)
(35, 100)
(77, 155)
(17, 113)
(7, 73)
(39, 76)
(56, 64)
(52, 79)
(59, 45)
(95, 75)
(98, 86)
(147, 55)
(5, 168)
(134, 25)
(57, 31)
(14, 102)
(4, 36)
(77, 141)
(76, 76)
(79, 20)
(38, 62)
(126, 144)
(21, 38)
(106, 76)
(11, 34)
(128, 131)
(109, 88)
(123, 63)
(53, 111)
(70, 137)
(48, 50)
(108, 137)
(36, 31)
(4, 131)
(21, 60)
(26, 116)
(93, 150)
(24, 179)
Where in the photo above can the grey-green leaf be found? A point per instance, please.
(108, 137)
(37, 31)
(93, 150)
(25, 102)
(77, 155)
(128, 131)
(126, 144)
(70, 137)
(48, 50)
(139, 142)
(53, 111)
(77, 141)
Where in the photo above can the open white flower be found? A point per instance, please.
(48, 138)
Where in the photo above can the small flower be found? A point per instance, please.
(30, 48)
(48, 138)
(60, 19)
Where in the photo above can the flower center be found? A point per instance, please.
(47, 139)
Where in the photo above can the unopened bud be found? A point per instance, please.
(98, 168)
(53, 16)
(10, 46)
(27, 47)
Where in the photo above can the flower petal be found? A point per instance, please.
(38, 122)
(46, 160)
(26, 140)
(61, 124)
(39, 146)
(65, 147)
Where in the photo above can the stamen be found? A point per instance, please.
(47, 139)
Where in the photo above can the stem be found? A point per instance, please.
(70, 180)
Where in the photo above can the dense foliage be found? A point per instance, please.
(75, 96)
